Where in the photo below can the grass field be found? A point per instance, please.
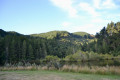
(53, 75)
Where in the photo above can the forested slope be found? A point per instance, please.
(15, 47)
(108, 40)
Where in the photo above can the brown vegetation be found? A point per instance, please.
(73, 68)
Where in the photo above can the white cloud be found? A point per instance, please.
(93, 26)
(109, 4)
(93, 8)
(66, 5)
(104, 4)
(66, 24)
(99, 14)
(89, 9)
(97, 3)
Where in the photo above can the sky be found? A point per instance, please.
(39, 16)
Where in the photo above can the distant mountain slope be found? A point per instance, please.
(15, 47)
(84, 34)
(59, 34)
(5, 33)
(81, 33)
(53, 34)
(2, 33)
(64, 36)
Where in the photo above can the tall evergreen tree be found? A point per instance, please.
(12, 54)
(31, 55)
(24, 50)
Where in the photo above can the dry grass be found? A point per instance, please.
(73, 68)
(93, 69)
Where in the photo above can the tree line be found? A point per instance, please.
(21, 48)
(107, 40)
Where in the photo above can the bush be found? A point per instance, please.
(52, 61)
(86, 56)
(51, 58)
(79, 56)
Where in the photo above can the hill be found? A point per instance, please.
(4, 33)
(53, 34)
(16, 47)
(84, 34)
(64, 36)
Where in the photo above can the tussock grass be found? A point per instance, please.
(67, 68)
(93, 69)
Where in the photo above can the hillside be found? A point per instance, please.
(64, 36)
(4, 33)
(84, 34)
(53, 34)
(16, 47)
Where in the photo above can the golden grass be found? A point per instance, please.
(73, 68)
(92, 69)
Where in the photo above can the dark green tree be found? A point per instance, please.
(31, 55)
(24, 48)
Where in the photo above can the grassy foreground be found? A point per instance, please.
(53, 75)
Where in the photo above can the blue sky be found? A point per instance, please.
(38, 16)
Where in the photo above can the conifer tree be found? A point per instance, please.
(31, 55)
(24, 50)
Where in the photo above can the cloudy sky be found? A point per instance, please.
(38, 16)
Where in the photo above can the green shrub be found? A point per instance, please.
(51, 58)
(52, 61)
